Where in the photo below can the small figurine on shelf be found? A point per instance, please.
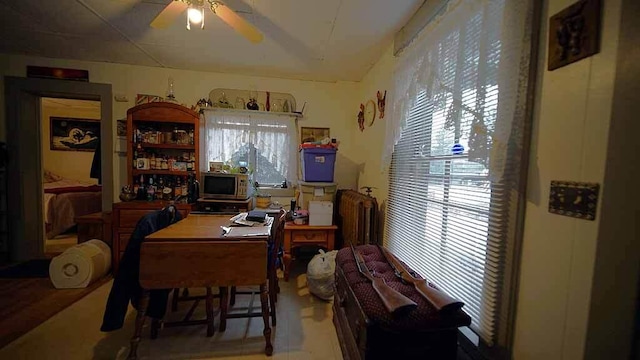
(268, 106)
(252, 104)
(223, 102)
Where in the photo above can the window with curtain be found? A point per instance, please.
(455, 145)
(265, 143)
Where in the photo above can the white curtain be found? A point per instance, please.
(454, 150)
(228, 136)
(494, 59)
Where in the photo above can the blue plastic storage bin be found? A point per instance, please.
(318, 164)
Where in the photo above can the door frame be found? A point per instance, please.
(24, 166)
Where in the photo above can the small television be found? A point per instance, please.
(217, 185)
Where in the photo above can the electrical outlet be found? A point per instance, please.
(575, 199)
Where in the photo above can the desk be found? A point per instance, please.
(193, 253)
(301, 235)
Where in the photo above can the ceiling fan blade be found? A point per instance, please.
(168, 15)
(238, 23)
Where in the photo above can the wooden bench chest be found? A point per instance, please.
(367, 331)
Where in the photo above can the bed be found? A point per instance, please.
(65, 199)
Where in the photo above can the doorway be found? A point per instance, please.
(69, 133)
(24, 168)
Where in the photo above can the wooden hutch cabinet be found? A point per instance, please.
(163, 140)
(163, 146)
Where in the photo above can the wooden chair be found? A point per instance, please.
(275, 262)
(189, 264)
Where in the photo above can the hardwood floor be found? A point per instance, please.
(26, 303)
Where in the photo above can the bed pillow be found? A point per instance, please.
(50, 177)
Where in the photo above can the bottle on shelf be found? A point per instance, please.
(136, 187)
(142, 190)
(151, 191)
(185, 187)
(168, 189)
(178, 188)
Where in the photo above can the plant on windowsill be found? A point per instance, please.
(263, 200)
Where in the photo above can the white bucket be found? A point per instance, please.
(80, 265)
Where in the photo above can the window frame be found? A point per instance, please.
(253, 116)
(506, 311)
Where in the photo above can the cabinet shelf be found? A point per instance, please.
(160, 172)
(161, 117)
(167, 146)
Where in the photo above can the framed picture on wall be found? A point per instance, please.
(122, 127)
(72, 134)
(313, 134)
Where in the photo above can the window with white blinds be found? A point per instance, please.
(451, 210)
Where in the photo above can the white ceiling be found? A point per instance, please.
(324, 40)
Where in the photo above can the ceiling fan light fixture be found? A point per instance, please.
(195, 16)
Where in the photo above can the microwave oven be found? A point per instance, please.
(215, 185)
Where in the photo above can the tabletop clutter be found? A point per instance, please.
(253, 223)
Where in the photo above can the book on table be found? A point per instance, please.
(257, 215)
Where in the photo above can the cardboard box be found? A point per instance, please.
(316, 192)
(320, 213)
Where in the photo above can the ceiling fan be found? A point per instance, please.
(195, 15)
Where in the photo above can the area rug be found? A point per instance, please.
(37, 268)
(28, 302)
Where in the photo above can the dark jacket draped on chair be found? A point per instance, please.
(126, 285)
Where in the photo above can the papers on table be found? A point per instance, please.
(248, 231)
(248, 228)
(241, 219)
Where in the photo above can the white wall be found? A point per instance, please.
(570, 132)
(328, 104)
(69, 164)
(371, 139)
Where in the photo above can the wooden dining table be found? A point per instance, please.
(195, 253)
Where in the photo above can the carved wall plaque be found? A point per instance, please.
(574, 33)
(575, 199)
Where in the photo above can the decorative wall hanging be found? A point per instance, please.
(71, 134)
(57, 73)
(145, 98)
(575, 199)
(361, 118)
(370, 113)
(574, 33)
(122, 127)
(381, 102)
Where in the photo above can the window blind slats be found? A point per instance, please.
(446, 217)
